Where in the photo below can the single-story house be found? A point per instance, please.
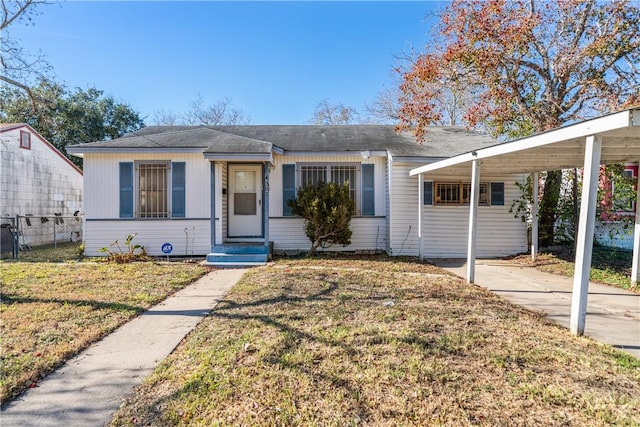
(212, 190)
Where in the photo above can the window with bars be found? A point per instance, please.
(337, 173)
(361, 179)
(456, 193)
(152, 189)
(311, 174)
(152, 193)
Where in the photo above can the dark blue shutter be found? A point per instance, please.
(428, 193)
(497, 193)
(288, 188)
(178, 190)
(368, 191)
(126, 190)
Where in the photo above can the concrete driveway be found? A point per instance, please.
(613, 314)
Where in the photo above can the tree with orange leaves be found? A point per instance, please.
(533, 66)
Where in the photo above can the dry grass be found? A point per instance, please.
(49, 312)
(381, 342)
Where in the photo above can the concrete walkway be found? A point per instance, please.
(87, 389)
(613, 314)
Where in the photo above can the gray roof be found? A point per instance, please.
(441, 141)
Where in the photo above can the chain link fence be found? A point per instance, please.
(41, 238)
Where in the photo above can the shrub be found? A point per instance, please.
(132, 252)
(327, 210)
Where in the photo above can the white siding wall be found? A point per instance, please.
(287, 232)
(403, 210)
(188, 237)
(367, 234)
(275, 190)
(38, 181)
(103, 225)
(445, 228)
(102, 177)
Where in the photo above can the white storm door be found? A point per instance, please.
(245, 200)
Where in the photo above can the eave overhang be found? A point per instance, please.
(561, 148)
(239, 157)
(80, 151)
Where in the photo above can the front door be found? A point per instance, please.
(245, 200)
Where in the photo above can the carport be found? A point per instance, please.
(610, 139)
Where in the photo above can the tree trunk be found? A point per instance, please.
(314, 248)
(549, 207)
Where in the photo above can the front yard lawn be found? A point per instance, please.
(51, 311)
(379, 341)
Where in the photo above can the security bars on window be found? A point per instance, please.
(338, 174)
(152, 197)
(459, 193)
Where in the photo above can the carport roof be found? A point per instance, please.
(556, 149)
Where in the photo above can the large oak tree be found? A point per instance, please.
(533, 65)
(65, 116)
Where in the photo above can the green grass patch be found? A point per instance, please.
(51, 253)
(609, 266)
(371, 341)
(49, 312)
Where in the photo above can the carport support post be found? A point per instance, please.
(635, 265)
(420, 207)
(473, 220)
(586, 228)
(534, 215)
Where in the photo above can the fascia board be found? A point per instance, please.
(75, 150)
(406, 159)
(236, 156)
(380, 153)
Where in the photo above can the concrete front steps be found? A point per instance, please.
(239, 255)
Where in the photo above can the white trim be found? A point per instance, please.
(78, 151)
(586, 228)
(218, 195)
(409, 159)
(420, 211)
(267, 157)
(390, 204)
(334, 153)
(473, 221)
(535, 184)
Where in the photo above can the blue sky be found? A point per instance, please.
(274, 60)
